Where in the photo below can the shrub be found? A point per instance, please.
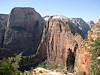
(95, 51)
(50, 66)
(9, 66)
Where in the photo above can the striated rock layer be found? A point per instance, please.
(3, 23)
(22, 34)
(63, 42)
(84, 58)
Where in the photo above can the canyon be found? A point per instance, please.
(55, 39)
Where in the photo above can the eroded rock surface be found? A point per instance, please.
(94, 33)
(24, 31)
(91, 23)
(62, 38)
(82, 25)
(42, 71)
(84, 58)
(3, 23)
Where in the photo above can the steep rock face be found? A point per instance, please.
(93, 34)
(82, 25)
(3, 23)
(91, 23)
(24, 31)
(62, 40)
(42, 71)
(84, 58)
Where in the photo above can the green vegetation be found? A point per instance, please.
(57, 67)
(95, 51)
(10, 66)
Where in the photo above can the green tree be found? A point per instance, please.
(10, 66)
(95, 51)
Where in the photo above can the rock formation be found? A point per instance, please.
(84, 58)
(42, 71)
(3, 23)
(91, 23)
(22, 34)
(24, 31)
(94, 33)
(59, 41)
(63, 41)
(82, 25)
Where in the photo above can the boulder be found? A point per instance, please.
(41, 71)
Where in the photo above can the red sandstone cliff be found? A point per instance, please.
(64, 45)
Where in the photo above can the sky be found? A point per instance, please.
(86, 9)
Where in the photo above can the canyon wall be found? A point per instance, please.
(57, 39)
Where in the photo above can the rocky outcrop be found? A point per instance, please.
(24, 31)
(3, 23)
(83, 58)
(41, 71)
(64, 43)
(23, 34)
(82, 25)
(94, 33)
(62, 38)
